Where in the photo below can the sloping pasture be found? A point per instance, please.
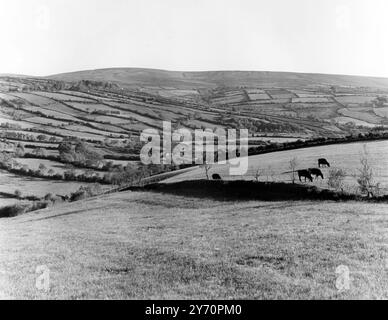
(272, 166)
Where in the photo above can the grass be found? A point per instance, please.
(273, 165)
(63, 97)
(161, 245)
(142, 245)
(381, 112)
(344, 120)
(363, 116)
(35, 186)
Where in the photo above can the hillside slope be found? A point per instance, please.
(153, 77)
(275, 166)
(142, 245)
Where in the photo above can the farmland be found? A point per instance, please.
(107, 110)
(272, 165)
(381, 112)
(70, 152)
(34, 186)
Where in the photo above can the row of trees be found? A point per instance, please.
(76, 150)
(13, 166)
(16, 135)
(118, 176)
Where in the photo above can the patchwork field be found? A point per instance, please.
(111, 116)
(355, 99)
(86, 126)
(381, 112)
(363, 116)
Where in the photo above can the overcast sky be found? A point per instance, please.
(43, 37)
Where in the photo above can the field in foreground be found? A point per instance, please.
(154, 245)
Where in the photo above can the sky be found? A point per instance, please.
(44, 37)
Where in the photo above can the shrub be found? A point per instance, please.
(17, 209)
(206, 166)
(12, 211)
(69, 175)
(42, 167)
(49, 197)
(258, 173)
(94, 189)
(37, 205)
(365, 178)
(85, 192)
(18, 193)
(78, 195)
(336, 179)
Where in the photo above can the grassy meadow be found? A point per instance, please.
(153, 245)
(272, 166)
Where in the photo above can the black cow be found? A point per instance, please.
(216, 176)
(306, 174)
(323, 162)
(316, 172)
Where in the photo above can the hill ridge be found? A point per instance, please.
(146, 76)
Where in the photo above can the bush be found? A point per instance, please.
(78, 195)
(49, 197)
(12, 211)
(37, 205)
(17, 209)
(365, 178)
(18, 193)
(336, 179)
(86, 192)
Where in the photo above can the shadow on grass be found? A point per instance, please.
(250, 190)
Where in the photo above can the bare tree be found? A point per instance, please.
(206, 166)
(142, 175)
(365, 177)
(336, 179)
(258, 173)
(270, 174)
(292, 165)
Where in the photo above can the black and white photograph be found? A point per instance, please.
(207, 150)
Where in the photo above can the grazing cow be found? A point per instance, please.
(216, 176)
(306, 174)
(323, 162)
(316, 172)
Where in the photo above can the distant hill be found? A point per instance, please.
(14, 75)
(153, 77)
